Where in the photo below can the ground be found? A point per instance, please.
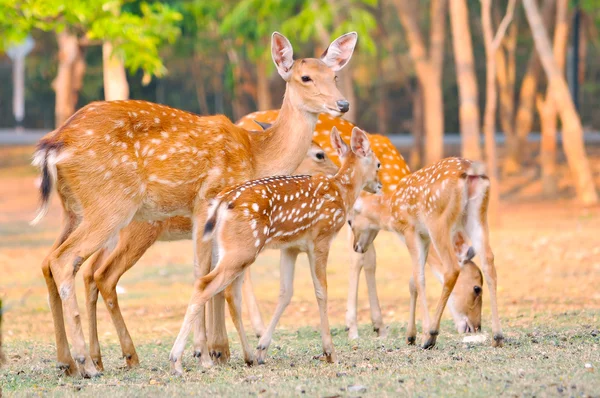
(548, 260)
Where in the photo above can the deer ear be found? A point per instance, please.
(360, 143)
(338, 143)
(340, 51)
(283, 55)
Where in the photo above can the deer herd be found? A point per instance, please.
(130, 173)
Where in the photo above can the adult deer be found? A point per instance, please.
(465, 302)
(133, 243)
(293, 213)
(432, 205)
(115, 162)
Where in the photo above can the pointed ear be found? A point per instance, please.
(283, 55)
(360, 143)
(340, 51)
(338, 143)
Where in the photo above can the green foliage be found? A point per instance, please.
(136, 36)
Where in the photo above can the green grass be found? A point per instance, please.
(544, 355)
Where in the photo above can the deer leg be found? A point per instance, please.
(218, 342)
(411, 329)
(252, 305)
(63, 355)
(418, 248)
(442, 241)
(233, 295)
(318, 268)
(286, 291)
(370, 265)
(202, 265)
(356, 265)
(91, 301)
(479, 234)
(65, 261)
(134, 240)
(205, 288)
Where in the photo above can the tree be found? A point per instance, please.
(428, 67)
(492, 43)
(467, 81)
(135, 36)
(572, 129)
(547, 108)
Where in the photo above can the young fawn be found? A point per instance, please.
(127, 252)
(433, 205)
(370, 215)
(465, 301)
(115, 162)
(298, 213)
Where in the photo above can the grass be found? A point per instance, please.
(544, 355)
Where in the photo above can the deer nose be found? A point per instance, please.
(343, 105)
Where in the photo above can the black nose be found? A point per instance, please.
(477, 290)
(343, 105)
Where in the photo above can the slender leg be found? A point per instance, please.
(418, 249)
(286, 291)
(202, 264)
(233, 295)
(370, 265)
(442, 242)
(66, 260)
(318, 267)
(252, 305)
(411, 329)
(228, 269)
(479, 234)
(356, 265)
(63, 355)
(218, 342)
(134, 240)
(91, 301)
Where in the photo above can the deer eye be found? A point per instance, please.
(321, 156)
(378, 165)
(306, 79)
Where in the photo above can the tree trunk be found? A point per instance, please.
(428, 69)
(517, 149)
(505, 75)
(416, 151)
(548, 109)
(199, 84)
(433, 108)
(64, 84)
(573, 143)
(467, 81)
(492, 43)
(262, 83)
(114, 75)
(382, 95)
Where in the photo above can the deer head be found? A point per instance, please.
(311, 82)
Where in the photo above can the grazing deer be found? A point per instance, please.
(294, 213)
(122, 161)
(465, 301)
(135, 240)
(432, 205)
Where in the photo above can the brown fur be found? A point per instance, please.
(297, 213)
(432, 205)
(133, 160)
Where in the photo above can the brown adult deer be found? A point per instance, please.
(432, 205)
(465, 301)
(134, 241)
(294, 213)
(115, 162)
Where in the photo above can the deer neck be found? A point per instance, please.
(282, 147)
(349, 181)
